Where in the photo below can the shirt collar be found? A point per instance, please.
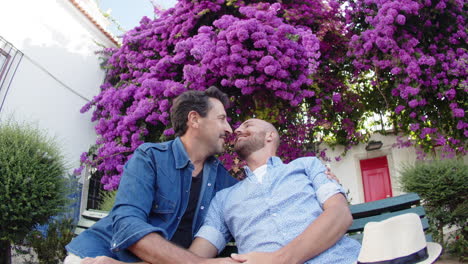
(274, 161)
(181, 157)
(271, 162)
(180, 154)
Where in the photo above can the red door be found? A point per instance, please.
(376, 179)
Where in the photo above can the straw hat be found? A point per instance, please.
(397, 240)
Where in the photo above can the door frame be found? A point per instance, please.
(387, 181)
(370, 155)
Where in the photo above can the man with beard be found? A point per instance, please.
(280, 213)
(165, 190)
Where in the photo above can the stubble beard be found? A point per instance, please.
(249, 145)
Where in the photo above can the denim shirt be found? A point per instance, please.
(153, 196)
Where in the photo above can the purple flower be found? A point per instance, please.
(412, 91)
(395, 70)
(426, 131)
(414, 127)
(440, 141)
(458, 112)
(462, 125)
(413, 103)
(270, 70)
(240, 83)
(336, 97)
(169, 132)
(78, 170)
(399, 108)
(401, 19)
(307, 93)
(450, 94)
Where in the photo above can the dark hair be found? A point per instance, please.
(193, 101)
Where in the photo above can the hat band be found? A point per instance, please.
(410, 259)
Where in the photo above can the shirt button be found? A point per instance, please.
(202, 207)
(275, 214)
(186, 191)
(178, 217)
(209, 184)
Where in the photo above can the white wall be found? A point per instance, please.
(59, 72)
(348, 170)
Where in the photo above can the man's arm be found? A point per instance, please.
(203, 248)
(320, 235)
(325, 231)
(200, 252)
(166, 252)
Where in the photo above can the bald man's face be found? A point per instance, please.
(250, 137)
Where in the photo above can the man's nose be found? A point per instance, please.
(228, 128)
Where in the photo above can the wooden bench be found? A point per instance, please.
(88, 218)
(383, 209)
(362, 214)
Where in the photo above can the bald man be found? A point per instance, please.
(281, 213)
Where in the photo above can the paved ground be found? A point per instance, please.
(448, 260)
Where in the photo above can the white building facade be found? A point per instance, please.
(373, 174)
(49, 68)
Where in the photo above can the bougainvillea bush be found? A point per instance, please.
(299, 65)
(417, 50)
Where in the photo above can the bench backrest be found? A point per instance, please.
(382, 209)
(88, 218)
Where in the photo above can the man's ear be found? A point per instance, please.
(269, 136)
(193, 119)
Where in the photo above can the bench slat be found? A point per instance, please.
(95, 214)
(359, 236)
(89, 218)
(86, 223)
(358, 224)
(381, 206)
(78, 230)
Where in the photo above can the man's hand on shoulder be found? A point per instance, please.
(331, 175)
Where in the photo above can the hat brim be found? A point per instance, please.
(433, 250)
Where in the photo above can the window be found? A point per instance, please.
(10, 58)
(4, 59)
(91, 195)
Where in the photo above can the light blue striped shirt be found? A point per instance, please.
(268, 214)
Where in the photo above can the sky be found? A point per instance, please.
(128, 13)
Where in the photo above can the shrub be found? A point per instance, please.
(108, 200)
(33, 186)
(443, 186)
(50, 247)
